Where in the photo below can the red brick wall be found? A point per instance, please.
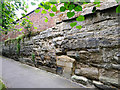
(38, 21)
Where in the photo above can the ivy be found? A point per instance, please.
(62, 9)
(47, 7)
(71, 6)
(51, 14)
(73, 24)
(35, 27)
(78, 8)
(96, 1)
(79, 27)
(37, 10)
(44, 12)
(54, 9)
(80, 18)
(66, 4)
(46, 19)
(32, 3)
(70, 14)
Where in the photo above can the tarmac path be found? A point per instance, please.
(18, 75)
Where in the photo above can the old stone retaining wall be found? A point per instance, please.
(90, 55)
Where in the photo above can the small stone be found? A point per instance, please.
(116, 58)
(80, 79)
(101, 86)
(96, 82)
(73, 54)
(109, 76)
(83, 52)
(35, 49)
(116, 66)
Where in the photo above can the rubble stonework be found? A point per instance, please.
(91, 54)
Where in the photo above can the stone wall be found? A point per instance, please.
(89, 56)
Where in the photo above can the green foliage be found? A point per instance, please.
(35, 27)
(80, 18)
(51, 14)
(79, 27)
(7, 41)
(47, 7)
(8, 14)
(33, 3)
(23, 14)
(33, 57)
(53, 1)
(70, 6)
(44, 12)
(18, 48)
(73, 24)
(66, 4)
(26, 23)
(20, 37)
(96, 1)
(70, 14)
(78, 8)
(46, 19)
(118, 9)
(62, 9)
(54, 9)
(117, 1)
(98, 5)
(37, 10)
(2, 86)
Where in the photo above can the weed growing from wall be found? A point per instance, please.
(18, 48)
(33, 57)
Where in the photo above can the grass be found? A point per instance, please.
(2, 86)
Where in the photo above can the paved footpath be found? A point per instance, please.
(18, 75)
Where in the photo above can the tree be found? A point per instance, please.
(8, 8)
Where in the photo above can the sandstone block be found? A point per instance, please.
(89, 72)
(65, 59)
(109, 76)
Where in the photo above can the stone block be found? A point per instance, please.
(67, 72)
(60, 63)
(92, 42)
(109, 77)
(89, 72)
(67, 65)
(74, 54)
(101, 86)
(96, 58)
(65, 59)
